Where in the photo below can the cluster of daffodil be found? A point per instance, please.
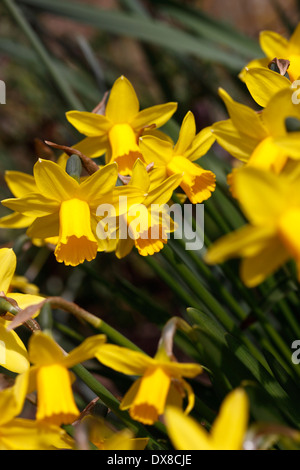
(42, 369)
(265, 180)
(58, 205)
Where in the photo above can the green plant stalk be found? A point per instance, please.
(69, 97)
(180, 292)
(209, 301)
(235, 307)
(226, 296)
(96, 322)
(267, 327)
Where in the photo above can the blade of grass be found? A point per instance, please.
(65, 91)
(140, 28)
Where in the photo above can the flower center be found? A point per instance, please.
(197, 183)
(76, 241)
(56, 403)
(149, 402)
(124, 147)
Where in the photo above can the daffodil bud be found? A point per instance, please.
(280, 66)
(74, 167)
(292, 124)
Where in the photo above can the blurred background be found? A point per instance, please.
(57, 55)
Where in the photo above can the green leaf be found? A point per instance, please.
(227, 369)
(141, 28)
(263, 408)
(267, 381)
(212, 29)
(283, 378)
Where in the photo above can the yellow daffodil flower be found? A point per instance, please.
(251, 136)
(161, 382)
(227, 432)
(103, 437)
(272, 205)
(50, 377)
(118, 130)
(20, 185)
(64, 208)
(26, 434)
(170, 159)
(274, 45)
(147, 224)
(13, 354)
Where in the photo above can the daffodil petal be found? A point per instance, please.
(263, 84)
(121, 440)
(123, 360)
(20, 183)
(158, 115)
(289, 143)
(236, 144)
(45, 227)
(190, 396)
(140, 178)
(26, 434)
(156, 150)
(252, 186)
(178, 369)
(157, 176)
(124, 247)
(256, 269)
(33, 205)
(121, 195)
(43, 350)
(246, 241)
(15, 220)
(163, 193)
(268, 156)
(288, 229)
(185, 433)
(89, 124)
(230, 426)
(245, 119)
(186, 135)
(13, 354)
(98, 184)
(86, 350)
(12, 399)
(123, 103)
(8, 263)
(53, 182)
(273, 44)
(201, 144)
(256, 63)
